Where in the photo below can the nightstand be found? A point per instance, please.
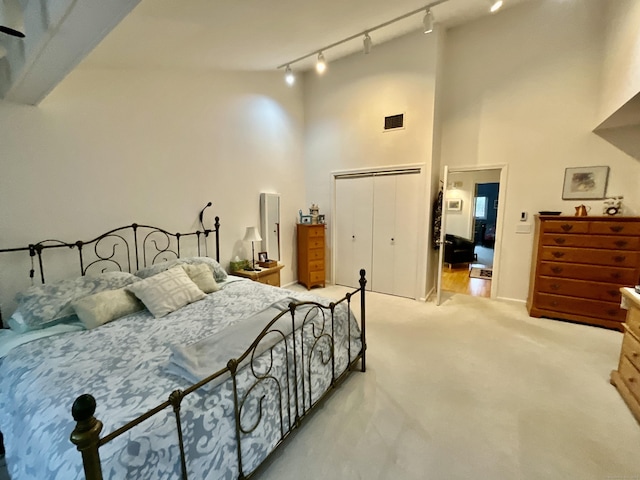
(269, 276)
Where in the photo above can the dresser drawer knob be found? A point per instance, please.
(619, 258)
(556, 269)
(559, 241)
(554, 303)
(621, 243)
(612, 313)
(613, 293)
(557, 254)
(555, 286)
(616, 275)
(617, 228)
(566, 227)
(634, 354)
(631, 379)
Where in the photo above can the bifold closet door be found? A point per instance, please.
(395, 234)
(354, 220)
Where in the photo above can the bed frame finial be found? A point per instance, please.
(86, 435)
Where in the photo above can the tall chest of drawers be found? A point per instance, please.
(579, 265)
(311, 255)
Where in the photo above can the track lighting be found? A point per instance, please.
(427, 21)
(11, 18)
(321, 65)
(367, 44)
(495, 5)
(289, 77)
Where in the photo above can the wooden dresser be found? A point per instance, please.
(579, 265)
(311, 255)
(627, 377)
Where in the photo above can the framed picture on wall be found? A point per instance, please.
(454, 204)
(584, 183)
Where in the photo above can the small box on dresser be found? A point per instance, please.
(627, 377)
(579, 265)
(311, 246)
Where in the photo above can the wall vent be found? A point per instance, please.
(393, 122)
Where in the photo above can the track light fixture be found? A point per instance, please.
(321, 64)
(367, 43)
(495, 5)
(289, 77)
(427, 22)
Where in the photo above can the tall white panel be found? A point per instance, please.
(354, 217)
(384, 208)
(406, 235)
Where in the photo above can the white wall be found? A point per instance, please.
(523, 89)
(108, 148)
(621, 66)
(344, 118)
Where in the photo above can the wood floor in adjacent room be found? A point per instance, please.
(456, 280)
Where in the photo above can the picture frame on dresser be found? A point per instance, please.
(262, 256)
(585, 183)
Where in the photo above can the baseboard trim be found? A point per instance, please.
(515, 300)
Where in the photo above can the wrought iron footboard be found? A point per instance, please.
(311, 344)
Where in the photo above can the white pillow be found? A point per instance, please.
(202, 276)
(104, 307)
(167, 291)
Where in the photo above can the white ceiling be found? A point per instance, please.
(260, 34)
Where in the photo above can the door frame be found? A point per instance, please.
(499, 224)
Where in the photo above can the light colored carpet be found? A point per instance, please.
(474, 389)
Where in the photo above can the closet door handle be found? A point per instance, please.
(393, 239)
(353, 237)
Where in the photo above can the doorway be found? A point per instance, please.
(470, 233)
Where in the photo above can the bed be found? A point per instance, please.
(207, 390)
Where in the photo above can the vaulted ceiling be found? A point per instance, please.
(199, 34)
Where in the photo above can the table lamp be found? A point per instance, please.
(252, 235)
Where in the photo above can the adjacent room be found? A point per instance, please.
(446, 148)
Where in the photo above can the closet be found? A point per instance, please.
(377, 229)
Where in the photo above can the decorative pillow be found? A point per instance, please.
(46, 305)
(167, 291)
(219, 273)
(104, 307)
(201, 275)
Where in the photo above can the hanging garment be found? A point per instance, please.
(437, 219)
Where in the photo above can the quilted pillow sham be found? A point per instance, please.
(46, 305)
(167, 291)
(104, 307)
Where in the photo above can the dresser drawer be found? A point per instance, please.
(590, 256)
(580, 306)
(314, 232)
(579, 288)
(615, 228)
(316, 265)
(630, 376)
(617, 275)
(592, 241)
(315, 277)
(564, 226)
(316, 242)
(316, 254)
(633, 321)
(631, 349)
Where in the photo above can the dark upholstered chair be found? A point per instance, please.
(458, 250)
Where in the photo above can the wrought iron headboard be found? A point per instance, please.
(126, 249)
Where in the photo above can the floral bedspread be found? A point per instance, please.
(123, 365)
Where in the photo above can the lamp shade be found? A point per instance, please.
(252, 235)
